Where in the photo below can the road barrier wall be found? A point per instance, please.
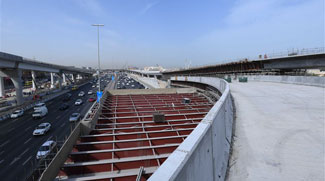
(301, 80)
(204, 154)
(53, 168)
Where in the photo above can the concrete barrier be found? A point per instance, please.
(53, 168)
(301, 80)
(204, 154)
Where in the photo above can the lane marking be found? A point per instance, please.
(28, 128)
(27, 140)
(3, 144)
(57, 117)
(10, 130)
(23, 152)
(1, 161)
(13, 161)
(62, 125)
(1, 152)
(27, 160)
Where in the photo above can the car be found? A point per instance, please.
(67, 97)
(82, 93)
(45, 149)
(91, 99)
(74, 88)
(90, 92)
(40, 112)
(39, 105)
(42, 129)
(78, 102)
(75, 117)
(93, 86)
(17, 114)
(64, 106)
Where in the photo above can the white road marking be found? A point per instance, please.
(27, 140)
(28, 128)
(23, 152)
(1, 161)
(27, 160)
(62, 125)
(3, 144)
(13, 161)
(57, 117)
(10, 130)
(50, 138)
(1, 152)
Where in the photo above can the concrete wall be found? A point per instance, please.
(151, 91)
(301, 80)
(204, 154)
(52, 170)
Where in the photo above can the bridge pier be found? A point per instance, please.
(72, 78)
(33, 80)
(52, 80)
(15, 76)
(2, 87)
(63, 77)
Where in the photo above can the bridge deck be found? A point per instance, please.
(279, 132)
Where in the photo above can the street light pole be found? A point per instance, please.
(98, 25)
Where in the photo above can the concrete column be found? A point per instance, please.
(72, 78)
(2, 87)
(33, 80)
(155, 76)
(60, 82)
(52, 80)
(17, 81)
(63, 79)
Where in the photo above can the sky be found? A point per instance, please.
(170, 33)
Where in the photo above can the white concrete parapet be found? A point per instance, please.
(300, 80)
(204, 154)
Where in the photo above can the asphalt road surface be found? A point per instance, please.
(18, 146)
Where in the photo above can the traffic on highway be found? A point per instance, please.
(33, 135)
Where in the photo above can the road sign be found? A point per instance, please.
(99, 95)
(113, 77)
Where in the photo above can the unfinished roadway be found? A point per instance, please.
(279, 132)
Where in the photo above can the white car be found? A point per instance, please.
(75, 117)
(17, 114)
(90, 92)
(82, 93)
(42, 129)
(78, 102)
(93, 86)
(45, 149)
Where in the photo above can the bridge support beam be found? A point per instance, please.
(2, 87)
(63, 77)
(72, 78)
(52, 80)
(33, 80)
(15, 76)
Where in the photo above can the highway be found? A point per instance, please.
(18, 147)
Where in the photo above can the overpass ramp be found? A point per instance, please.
(279, 132)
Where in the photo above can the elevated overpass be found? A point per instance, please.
(13, 65)
(277, 65)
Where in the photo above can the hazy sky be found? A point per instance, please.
(170, 33)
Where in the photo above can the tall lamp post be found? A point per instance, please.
(98, 25)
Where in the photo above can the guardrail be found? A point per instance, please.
(204, 154)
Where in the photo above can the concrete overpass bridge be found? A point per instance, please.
(12, 66)
(279, 65)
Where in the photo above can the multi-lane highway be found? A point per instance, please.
(18, 146)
